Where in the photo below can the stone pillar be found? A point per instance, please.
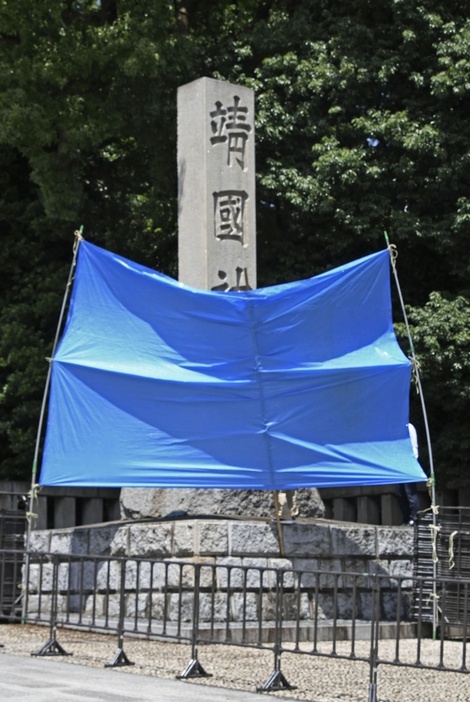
(216, 248)
(64, 512)
(92, 510)
(390, 510)
(368, 509)
(216, 251)
(216, 182)
(41, 510)
(344, 509)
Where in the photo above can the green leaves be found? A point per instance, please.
(361, 125)
(441, 335)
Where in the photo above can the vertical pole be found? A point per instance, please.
(32, 495)
(196, 604)
(432, 479)
(374, 638)
(278, 523)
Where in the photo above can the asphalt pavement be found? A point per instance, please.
(24, 679)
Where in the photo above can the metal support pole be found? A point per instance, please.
(278, 524)
(417, 377)
(30, 515)
(374, 641)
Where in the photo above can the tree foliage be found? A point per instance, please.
(441, 331)
(362, 126)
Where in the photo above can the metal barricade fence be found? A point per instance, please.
(285, 611)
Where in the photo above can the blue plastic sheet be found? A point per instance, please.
(157, 384)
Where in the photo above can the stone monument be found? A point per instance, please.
(216, 183)
(216, 251)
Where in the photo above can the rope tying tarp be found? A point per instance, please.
(451, 549)
(434, 529)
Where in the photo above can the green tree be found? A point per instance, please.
(362, 126)
(87, 104)
(441, 330)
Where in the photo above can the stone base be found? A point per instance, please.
(142, 503)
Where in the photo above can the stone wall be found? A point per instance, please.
(139, 503)
(229, 554)
(319, 543)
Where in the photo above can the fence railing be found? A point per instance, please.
(285, 611)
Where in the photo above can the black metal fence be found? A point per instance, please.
(309, 613)
(12, 529)
(443, 548)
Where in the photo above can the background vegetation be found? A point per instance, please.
(362, 126)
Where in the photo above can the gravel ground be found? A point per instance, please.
(317, 678)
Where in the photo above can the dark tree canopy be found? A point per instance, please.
(362, 126)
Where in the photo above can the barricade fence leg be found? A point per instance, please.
(277, 680)
(120, 658)
(52, 647)
(194, 669)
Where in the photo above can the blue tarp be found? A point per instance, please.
(157, 384)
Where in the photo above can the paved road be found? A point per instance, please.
(25, 679)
